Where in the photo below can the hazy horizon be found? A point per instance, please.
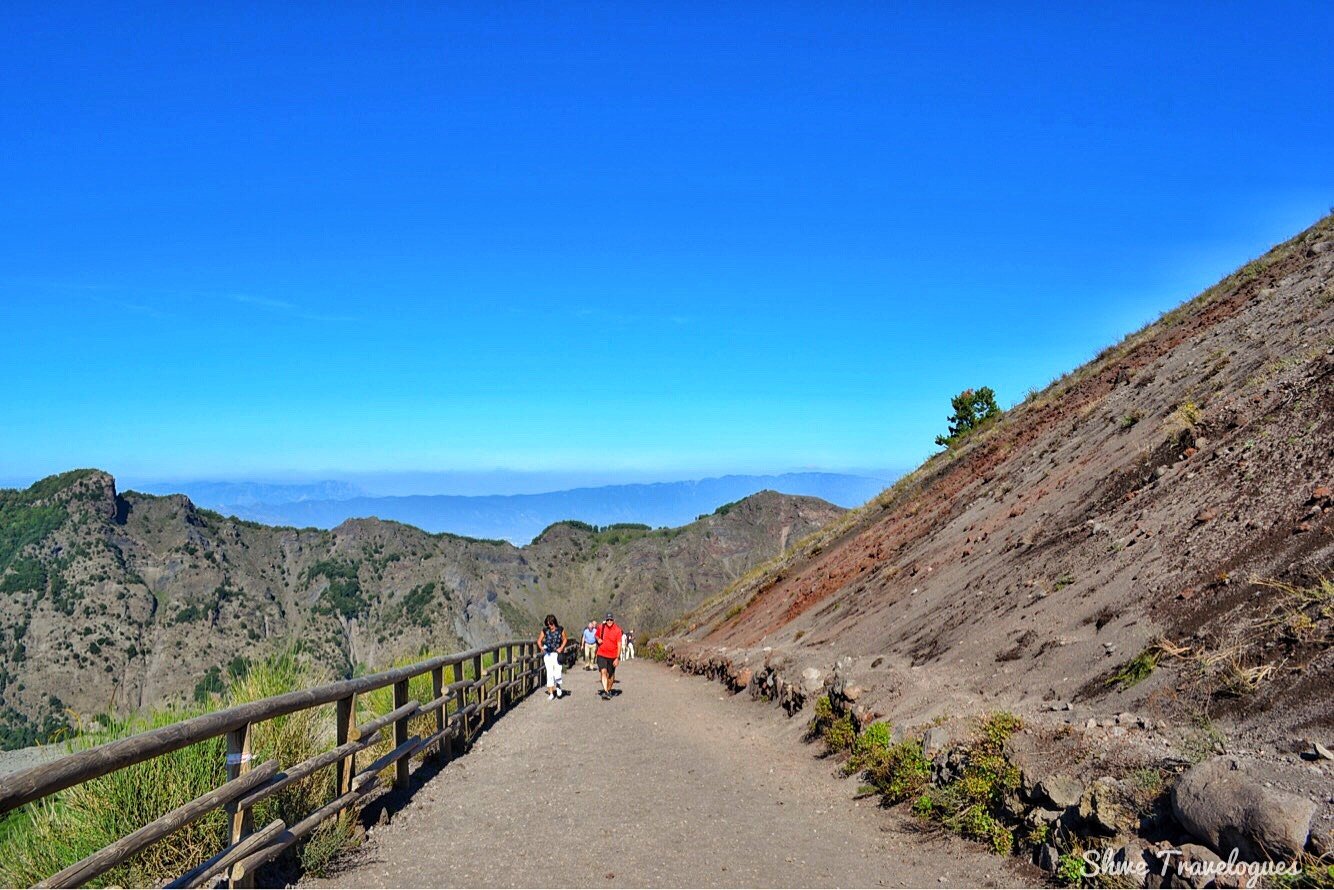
(496, 482)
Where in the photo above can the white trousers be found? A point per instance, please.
(551, 661)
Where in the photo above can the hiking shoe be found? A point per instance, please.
(550, 696)
(560, 693)
(604, 696)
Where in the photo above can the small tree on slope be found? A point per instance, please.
(972, 408)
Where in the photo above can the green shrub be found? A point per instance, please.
(656, 651)
(903, 771)
(870, 747)
(840, 734)
(1070, 869)
(837, 731)
(971, 803)
(996, 730)
(24, 574)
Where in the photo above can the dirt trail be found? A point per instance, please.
(672, 783)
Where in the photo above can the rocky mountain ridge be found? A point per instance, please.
(110, 602)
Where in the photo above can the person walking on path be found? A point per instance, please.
(590, 645)
(552, 640)
(629, 645)
(609, 653)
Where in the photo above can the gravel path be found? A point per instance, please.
(672, 783)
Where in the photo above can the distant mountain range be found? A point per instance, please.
(141, 597)
(516, 518)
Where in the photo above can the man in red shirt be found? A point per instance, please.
(608, 653)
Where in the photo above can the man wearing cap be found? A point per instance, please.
(590, 645)
(609, 653)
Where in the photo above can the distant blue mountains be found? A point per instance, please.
(516, 517)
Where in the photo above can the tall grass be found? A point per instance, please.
(50, 834)
(381, 701)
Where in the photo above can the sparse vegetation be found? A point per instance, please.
(973, 408)
(1187, 415)
(1135, 670)
(343, 596)
(837, 731)
(40, 839)
(968, 804)
(656, 651)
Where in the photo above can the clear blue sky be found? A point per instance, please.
(667, 241)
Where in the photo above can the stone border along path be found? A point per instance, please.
(673, 783)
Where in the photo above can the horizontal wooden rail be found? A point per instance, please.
(35, 782)
(305, 768)
(411, 709)
(459, 710)
(211, 868)
(113, 854)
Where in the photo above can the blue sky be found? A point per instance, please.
(612, 240)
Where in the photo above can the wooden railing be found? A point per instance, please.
(461, 707)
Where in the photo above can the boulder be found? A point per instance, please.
(812, 681)
(1099, 810)
(1059, 791)
(937, 739)
(743, 678)
(1189, 868)
(1219, 804)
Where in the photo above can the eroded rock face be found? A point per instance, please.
(1218, 803)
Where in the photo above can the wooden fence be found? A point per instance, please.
(461, 707)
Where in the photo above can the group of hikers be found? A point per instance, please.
(604, 644)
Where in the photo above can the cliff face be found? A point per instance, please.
(112, 602)
(1135, 520)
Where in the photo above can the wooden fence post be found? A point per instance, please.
(401, 734)
(481, 690)
(242, 823)
(530, 649)
(460, 702)
(346, 709)
(437, 690)
(507, 693)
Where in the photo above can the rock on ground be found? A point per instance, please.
(1218, 803)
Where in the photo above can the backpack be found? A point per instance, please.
(568, 656)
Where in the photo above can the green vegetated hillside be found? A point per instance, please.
(111, 602)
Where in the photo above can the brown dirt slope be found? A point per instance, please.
(1140, 500)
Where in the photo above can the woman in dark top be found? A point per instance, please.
(552, 641)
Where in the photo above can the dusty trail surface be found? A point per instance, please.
(672, 783)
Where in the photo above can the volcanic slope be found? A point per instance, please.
(1149, 533)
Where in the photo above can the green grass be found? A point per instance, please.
(48, 835)
(1134, 671)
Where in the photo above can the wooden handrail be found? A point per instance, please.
(36, 782)
(247, 849)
